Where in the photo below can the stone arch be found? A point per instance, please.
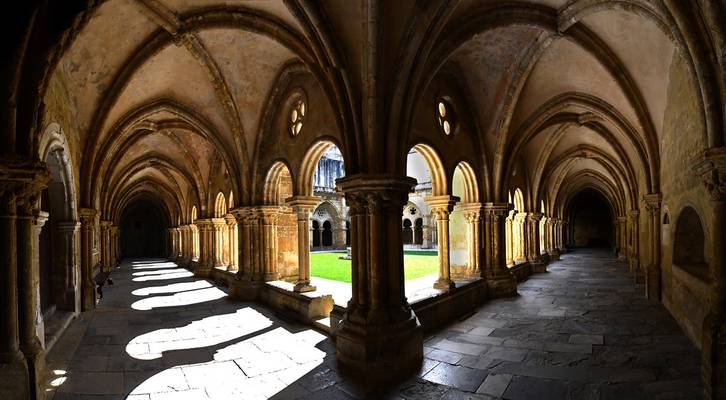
(278, 184)
(439, 183)
(466, 188)
(220, 206)
(304, 182)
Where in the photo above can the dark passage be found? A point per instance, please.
(590, 220)
(143, 224)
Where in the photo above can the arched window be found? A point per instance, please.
(297, 116)
(316, 234)
(688, 246)
(327, 234)
(407, 232)
(418, 232)
(220, 206)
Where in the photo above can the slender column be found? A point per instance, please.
(217, 237)
(552, 249)
(509, 238)
(380, 335)
(269, 216)
(303, 207)
(653, 278)
(426, 233)
(206, 248)
(533, 251)
(472, 214)
(499, 280)
(232, 245)
(88, 286)
(9, 330)
(28, 291)
(442, 206)
(712, 171)
(68, 232)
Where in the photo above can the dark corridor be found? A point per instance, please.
(143, 225)
(590, 220)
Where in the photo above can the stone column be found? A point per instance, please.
(426, 233)
(552, 249)
(206, 248)
(339, 235)
(29, 316)
(442, 206)
(634, 234)
(267, 238)
(68, 233)
(247, 282)
(534, 255)
(519, 233)
(472, 214)
(712, 171)
(114, 246)
(88, 285)
(170, 243)
(622, 239)
(217, 238)
(232, 245)
(509, 240)
(653, 274)
(380, 336)
(105, 246)
(499, 280)
(303, 207)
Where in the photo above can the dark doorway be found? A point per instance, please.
(327, 234)
(591, 220)
(143, 228)
(316, 234)
(407, 232)
(347, 233)
(418, 231)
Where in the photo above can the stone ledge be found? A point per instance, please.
(434, 312)
(304, 307)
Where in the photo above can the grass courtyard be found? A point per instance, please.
(328, 265)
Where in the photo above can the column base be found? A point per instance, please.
(88, 297)
(304, 287)
(232, 268)
(202, 271)
(245, 289)
(539, 267)
(14, 379)
(375, 355)
(554, 255)
(501, 286)
(444, 284)
(35, 360)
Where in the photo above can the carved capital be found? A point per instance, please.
(88, 216)
(496, 211)
(375, 193)
(652, 203)
(303, 206)
(711, 169)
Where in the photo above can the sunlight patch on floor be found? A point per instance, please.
(256, 368)
(174, 273)
(179, 299)
(172, 288)
(208, 331)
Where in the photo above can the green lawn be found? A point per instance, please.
(329, 266)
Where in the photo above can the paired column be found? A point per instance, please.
(219, 225)
(88, 285)
(712, 170)
(499, 280)
(534, 255)
(205, 263)
(380, 335)
(472, 214)
(68, 237)
(232, 251)
(303, 207)
(441, 207)
(653, 273)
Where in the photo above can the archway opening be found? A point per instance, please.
(688, 246)
(421, 259)
(278, 188)
(590, 220)
(464, 223)
(327, 234)
(143, 225)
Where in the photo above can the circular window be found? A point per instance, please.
(444, 116)
(297, 115)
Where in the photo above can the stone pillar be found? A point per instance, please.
(267, 237)
(712, 171)
(634, 237)
(653, 274)
(519, 233)
(509, 239)
(442, 206)
(219, 225)
(380, 337)
(204, 265)
(622, 239)
(68, 234)
(339, 235)
(247, 282)
(170, 243)
(232, 245)
(500, 281)
(552, 249)
(88, 285)
(29, 316)
(114, 246)
(472, 214)
(105, 245)
(303, 207)
(534, 255)
(426, 233)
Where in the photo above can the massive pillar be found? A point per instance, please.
(653, 274)
(303, 207)
(88, 285)
(712, 170)
(21, 353)
(380, 336)
(442, 206)
(500, 281)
